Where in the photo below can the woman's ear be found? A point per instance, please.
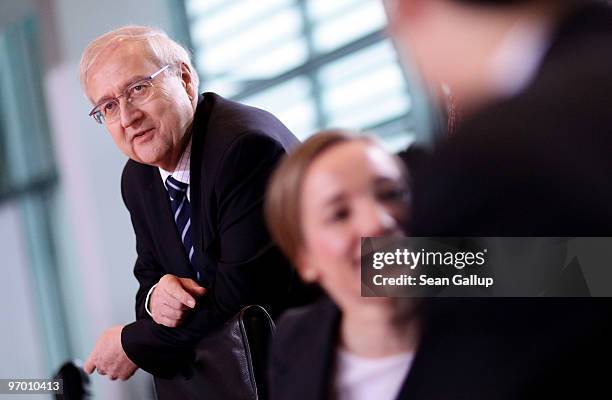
(307, 271)
(310, 275)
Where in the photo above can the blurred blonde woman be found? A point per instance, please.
(334, 189)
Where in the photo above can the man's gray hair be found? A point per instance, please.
(164, 49)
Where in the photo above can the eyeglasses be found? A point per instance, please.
(136, 94)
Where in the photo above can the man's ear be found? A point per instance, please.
(410, 7)
(187, 81)
(398, 10)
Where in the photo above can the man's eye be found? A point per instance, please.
(138, 90)
(108, 107)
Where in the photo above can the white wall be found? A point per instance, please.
(94, 234)
(20, 335)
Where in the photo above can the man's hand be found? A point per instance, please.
(109, 358)
(172, 298)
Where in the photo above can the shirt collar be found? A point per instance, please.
(519, 56)
(182, 171)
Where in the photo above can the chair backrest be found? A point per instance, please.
(229, 363)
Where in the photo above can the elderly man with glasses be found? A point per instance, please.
(194, 187)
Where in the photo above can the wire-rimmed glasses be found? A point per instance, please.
(136, 94)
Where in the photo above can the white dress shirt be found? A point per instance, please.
(519, 56)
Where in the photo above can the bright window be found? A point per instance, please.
(313, 63)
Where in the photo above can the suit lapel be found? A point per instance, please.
(310, 365)
(326, 341)
(201, 240)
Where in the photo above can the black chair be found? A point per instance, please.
(75, 382)
(228, 364)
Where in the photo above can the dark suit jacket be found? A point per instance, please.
(234, 150)
(536, 164)
(477, 351)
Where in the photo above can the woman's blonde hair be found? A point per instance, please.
(283, 205)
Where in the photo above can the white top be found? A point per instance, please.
(367, 378)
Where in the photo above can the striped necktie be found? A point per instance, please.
(182, 216)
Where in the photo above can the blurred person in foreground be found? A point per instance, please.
(328, 194)
(531, 157)
(194, 187)
(532, 153)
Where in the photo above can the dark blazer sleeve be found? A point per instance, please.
(249, 268)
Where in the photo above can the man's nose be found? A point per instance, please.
(128, 113)
(375, 220)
